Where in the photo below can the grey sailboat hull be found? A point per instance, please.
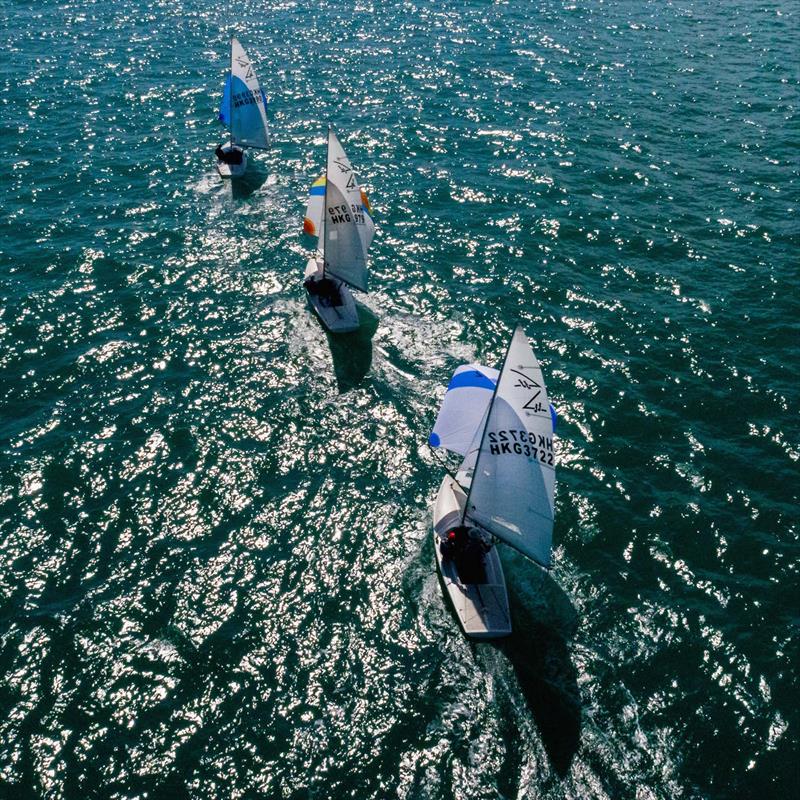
(481, 608)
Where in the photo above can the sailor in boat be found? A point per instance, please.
(467, 547)
(231, 156)
(326, 289)
(450, 544)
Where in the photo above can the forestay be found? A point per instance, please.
(511, 494)
(244, 103)
(347, 223)
(463, 408)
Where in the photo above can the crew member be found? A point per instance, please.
(233, 155)
(326, 289)
(449, 545)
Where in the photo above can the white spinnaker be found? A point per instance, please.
(511, 494)
(248, 103)
(473, 448)
(464, 405)
(347, 225)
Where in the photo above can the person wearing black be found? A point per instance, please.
(324, 288)
(231, 156)
(456, 541)
(449, 545)
(468, 548)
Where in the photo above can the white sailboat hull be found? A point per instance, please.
(336, 318)
(232, 170)
(481, 608)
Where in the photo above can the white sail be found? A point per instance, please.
(511, 494)
(247, 114)
(347, 223)
(468, 396)
(467, 468)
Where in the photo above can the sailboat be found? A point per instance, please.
(501, 423)
(340, 215)
(244, 112)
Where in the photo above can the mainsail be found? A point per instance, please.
(346, 221)
(511, 493)
(244, 103)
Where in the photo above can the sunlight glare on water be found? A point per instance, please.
(216, 571)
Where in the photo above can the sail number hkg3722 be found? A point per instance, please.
(521, 442)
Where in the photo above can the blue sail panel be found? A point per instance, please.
(468, 396)
(248, 127)
(225, 107)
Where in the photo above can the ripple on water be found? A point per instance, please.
(216, 569)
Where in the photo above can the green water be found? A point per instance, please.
(216, 574)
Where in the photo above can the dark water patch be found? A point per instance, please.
(539, 654)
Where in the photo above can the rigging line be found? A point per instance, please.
(446, 468)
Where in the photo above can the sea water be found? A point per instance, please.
(216, 569)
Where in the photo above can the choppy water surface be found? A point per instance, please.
(215, 566)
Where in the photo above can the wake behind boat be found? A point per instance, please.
(340, 215)
(244, 111)
(502, 424)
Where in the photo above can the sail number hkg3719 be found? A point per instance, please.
(343, 213)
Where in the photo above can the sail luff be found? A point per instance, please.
(224, 115)
(230, 95)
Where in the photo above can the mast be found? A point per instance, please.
(230, 95)
(325, 198)
(485, 424)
